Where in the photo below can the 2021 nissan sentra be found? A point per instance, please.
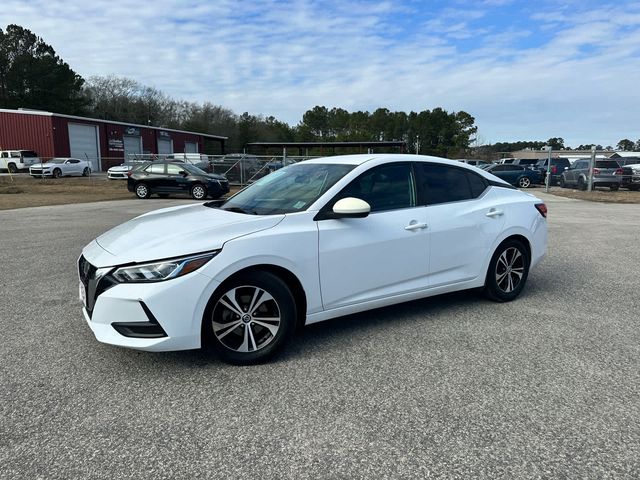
(315, 240)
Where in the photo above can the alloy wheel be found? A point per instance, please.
(509, 269)
(142, 191)
(246, 319)
(524, 182)
(198, 192)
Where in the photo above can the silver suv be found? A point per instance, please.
(606, 173)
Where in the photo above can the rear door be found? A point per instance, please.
(464, 217)
(154, 176)
(383, 254)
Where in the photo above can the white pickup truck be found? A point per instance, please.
(17, 160)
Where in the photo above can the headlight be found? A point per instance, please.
(162, 270)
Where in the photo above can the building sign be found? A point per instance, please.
(116, 145)
(132, 131)
(164, 134)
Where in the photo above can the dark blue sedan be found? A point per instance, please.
(516, 175)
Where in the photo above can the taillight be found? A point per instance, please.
(596, 171)
(554, 169)
(542, 208)
(619, 172)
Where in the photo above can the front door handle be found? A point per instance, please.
(494, 213)
(415, 226)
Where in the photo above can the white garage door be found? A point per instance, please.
(83, 143)
(132, 146)
(165, 147)
(190, 147)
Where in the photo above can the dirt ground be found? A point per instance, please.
(24, 191)
(598, 195)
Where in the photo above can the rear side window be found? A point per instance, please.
(29, 154)
(443, 184)
(155, 168)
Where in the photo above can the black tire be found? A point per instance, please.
(228, 343)
(12, 168)
(505, 266)
(86, 172)
(142, 190)
(582, 185)
(614, 188)
(199, 192)
(163, 195)
(562, 183)
(57, 173)
(524, 182)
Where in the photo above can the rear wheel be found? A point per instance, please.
(86, 171)
(582, 184)
(508, 271)
(142, 190)
(250, 318)
(199, 192)
(562, 184)
(524, 182)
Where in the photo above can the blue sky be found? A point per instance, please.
(525, 70)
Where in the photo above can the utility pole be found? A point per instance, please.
(417, 144)
(548, 178)
(592, 163)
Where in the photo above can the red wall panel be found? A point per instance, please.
(27, 132)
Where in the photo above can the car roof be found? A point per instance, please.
(399, 157)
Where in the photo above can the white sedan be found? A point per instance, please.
(312, 241)
(119, 172)
(61, 167)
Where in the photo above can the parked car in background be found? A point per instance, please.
(606, 173)
(502, 161)
(525, 162)
(166, 178)
(315, 240)
(557, 167)
(516, 175)
(15, 161)
(61, 167)
(475, 163)
(631, 177)
(200, 160)
(119, 172)
(623, 162)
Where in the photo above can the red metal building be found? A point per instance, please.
(104, 142)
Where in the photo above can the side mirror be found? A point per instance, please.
(351, 207)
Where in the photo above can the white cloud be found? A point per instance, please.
(282, 58)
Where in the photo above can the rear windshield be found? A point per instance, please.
(607, 164)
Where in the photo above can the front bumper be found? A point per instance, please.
(117, 175)
(177, 307)
(38, 173)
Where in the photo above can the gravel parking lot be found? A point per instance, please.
(450, 387)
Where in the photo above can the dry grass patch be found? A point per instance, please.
(598, 195)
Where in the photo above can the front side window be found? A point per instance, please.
(387, 187)
(174, 169)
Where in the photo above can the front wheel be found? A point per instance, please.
(524, 182)
(199, 192)
(57, 173)
(508, 271)
(250, 318)
(12, 168)
(562, 183)
(142, 190)
(582, 184)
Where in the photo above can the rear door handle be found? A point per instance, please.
(415, 226)
(494, 213)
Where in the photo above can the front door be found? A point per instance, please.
(383, 254)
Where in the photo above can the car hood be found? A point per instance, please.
(172, 232)
(48, 164)
(120, 168)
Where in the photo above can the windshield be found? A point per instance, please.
(288, 190)
(56, 160)
(192, 169)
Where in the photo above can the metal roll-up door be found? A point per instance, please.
(190, 147)
(165, 147)
(132, 146)
(83, 144)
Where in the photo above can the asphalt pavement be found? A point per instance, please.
(547, 386)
